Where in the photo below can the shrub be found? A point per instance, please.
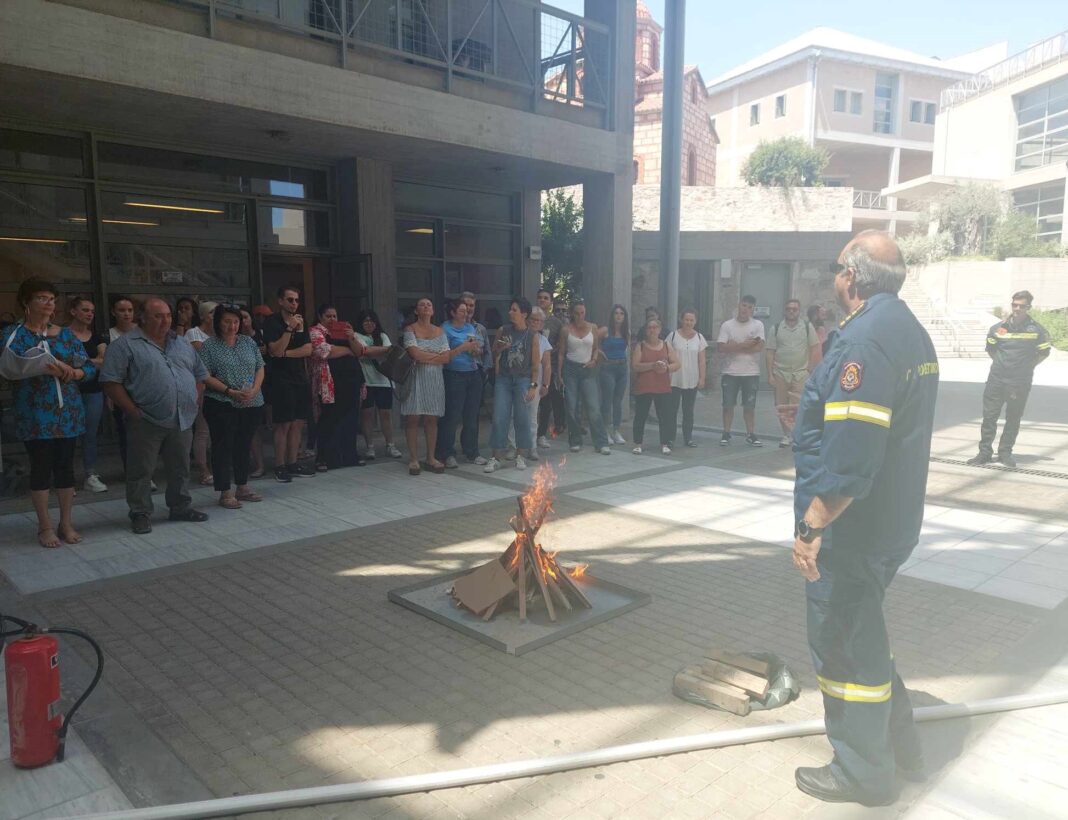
(786, 163)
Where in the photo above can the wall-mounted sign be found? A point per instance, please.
(761, 312)
(172, 277)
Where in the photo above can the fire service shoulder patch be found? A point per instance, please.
(852, 374)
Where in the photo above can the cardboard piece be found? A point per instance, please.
(485, 586)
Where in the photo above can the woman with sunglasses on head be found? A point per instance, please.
(576, 364)
(233, 404)
(376, 344)
(49, 414)
(82, 313)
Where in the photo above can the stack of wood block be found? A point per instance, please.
(727, 680)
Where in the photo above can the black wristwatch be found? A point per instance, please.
(806, 532)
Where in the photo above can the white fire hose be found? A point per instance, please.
(393, 786)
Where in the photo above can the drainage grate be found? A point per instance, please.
(1001, 467)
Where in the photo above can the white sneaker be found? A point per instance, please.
(543, 443)
(665, 450)
(451, 463)
(520, 464)
(479, 460)
(785, 441)
(533, 456)
(575, 448)
(393, 451)
(370, 453)
(94, 484)
(511, 454)
(637, 450)
(617, 438)
(153, 487)
(491, 466)
(604, 451)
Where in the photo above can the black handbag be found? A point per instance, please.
(396, 365)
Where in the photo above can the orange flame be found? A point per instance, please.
(578, 571)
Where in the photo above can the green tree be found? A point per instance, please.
(1014, 235)
(969, 214)
(789, 162)
(561, 243)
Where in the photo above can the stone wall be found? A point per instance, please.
(966, 285)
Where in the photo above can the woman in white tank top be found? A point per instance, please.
(576, 365)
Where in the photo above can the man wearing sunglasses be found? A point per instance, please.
(1016, 345)
(288, 345)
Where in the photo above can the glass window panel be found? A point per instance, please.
(36, 207)
(430, 200)
(1032, 161)
(145, 216)
(293, 227)
(152, 265)
(45, 153)
(478, 242)
(198, 172)
(915, 111)
(1030, 146)
(840, 100)
(492, 312)
(59, 261)
(930, 111)
(491, 280)
(1035, 98)
(1051, 207)
(1056, 106)
(1031, 129)
(417, 238)
(856, 102)
(417, 280)
(1025, 196)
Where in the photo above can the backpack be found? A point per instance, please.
(808, 326)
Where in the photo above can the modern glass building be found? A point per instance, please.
(371, 151)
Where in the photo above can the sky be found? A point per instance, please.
(720, 36)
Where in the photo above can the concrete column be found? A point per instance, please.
(1064, 214)
(671, 158)
(893, 176)
(372, 218)
(608, 252)
(530, 269)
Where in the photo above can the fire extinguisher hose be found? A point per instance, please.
(27, 628)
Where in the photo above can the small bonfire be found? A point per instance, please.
(525, 572)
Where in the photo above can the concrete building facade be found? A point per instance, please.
(698, 136)
(372, 152)
(871, 106)
(1007, 126)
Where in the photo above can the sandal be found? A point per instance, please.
(229, 503)
(48, 543)
(72, 536)
(249, 496)
(321, 468)
(437, 469)
(413, 469)
(206, 479)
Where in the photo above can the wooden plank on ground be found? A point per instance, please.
(727, 697)
(745, 662)
(725, 673)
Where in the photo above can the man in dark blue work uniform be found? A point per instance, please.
(1016, 346)
(862, 440)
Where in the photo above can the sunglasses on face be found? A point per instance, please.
(1020, 305)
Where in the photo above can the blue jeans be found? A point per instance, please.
(580, 385)
(463, 400)
(94, 411)
(613, 384)
(510, 408)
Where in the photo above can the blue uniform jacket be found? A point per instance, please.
(864, 427)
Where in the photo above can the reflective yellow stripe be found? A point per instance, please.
(857, 411)
(1044, 345)
(854, 692)
(1018, 335)
(991, 340)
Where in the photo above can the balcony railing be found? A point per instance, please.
(522, 44)
(871, 200)
(1038, 56)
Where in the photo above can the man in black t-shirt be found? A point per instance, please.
(289, 395)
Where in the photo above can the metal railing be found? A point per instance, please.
(523, 44)
(1038, 56)
(869, 199)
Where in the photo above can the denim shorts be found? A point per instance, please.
(746, 385)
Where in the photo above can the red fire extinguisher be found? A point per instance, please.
(37, 728)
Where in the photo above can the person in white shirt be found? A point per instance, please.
(196, 336)
(740, 342)
(689, 345)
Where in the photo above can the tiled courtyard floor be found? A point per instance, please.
(282, 664)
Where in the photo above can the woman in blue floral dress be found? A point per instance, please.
(49, 415)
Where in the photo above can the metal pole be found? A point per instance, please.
(671, 159)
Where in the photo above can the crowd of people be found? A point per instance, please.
(199, 388)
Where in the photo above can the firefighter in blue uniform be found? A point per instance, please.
(862, 441)
(1016, 346)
